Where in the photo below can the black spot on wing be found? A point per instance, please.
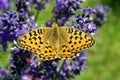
(71, 37)
(68, 50)
(70, 42)
(34, 33)
(75, 42)
(31, 42)
(80, 38)
(41, 31)
(34, 38)
(41, 42)
(25, 37)
(30, 33)
(76, 31)
(39, 38)
(79, 41)
(64, 46)
(76, 37)
(70, 30)
(71, 45)
(85, 36)
(64, 50)
(45, 51)
(80, 33)
(30, 39)
(24, 42)
(35, 43)
(50, 51)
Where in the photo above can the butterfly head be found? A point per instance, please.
(54, 25)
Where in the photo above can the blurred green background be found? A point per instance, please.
(104, 58)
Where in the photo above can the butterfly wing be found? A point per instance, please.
(72, 41)
(37, 42)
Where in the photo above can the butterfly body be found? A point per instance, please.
(56, 42)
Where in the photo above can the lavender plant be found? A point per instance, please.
(101, 13)
(3, 72)
(5, 5)
(26, 66)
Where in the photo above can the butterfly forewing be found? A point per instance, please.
(32, 40)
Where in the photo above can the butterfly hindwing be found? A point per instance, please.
(66, 52)
(47, 52)
(32, 40)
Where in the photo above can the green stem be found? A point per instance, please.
(59, 70)
(61, 67)
(37, 14)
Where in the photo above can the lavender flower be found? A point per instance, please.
(3, 73)
(101, 12)
(85, 22)
(39, 4)
(70, 68)
(65, 9)
(25, 17)
(25, 77)
(9, 23)
(48, 23)
(18, 60)
(24, 64)
(5, 5)
(10, 28)
(13, 25)
(23, 9)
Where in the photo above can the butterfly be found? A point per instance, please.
(56, 42)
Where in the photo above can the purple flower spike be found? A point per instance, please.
(19, 62)
(89, 10)
(102, 9)
(65, 9)
(26, 77)
(54, 64)
(48, 23)
(39, 4)
(47, 1)
(83, 58)
(91, 28)
(9, 24)
(63, 74)
(5, 5)
(101, 12)
(23, 9)
(85, 22)
(3, 73)
(10, 28)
